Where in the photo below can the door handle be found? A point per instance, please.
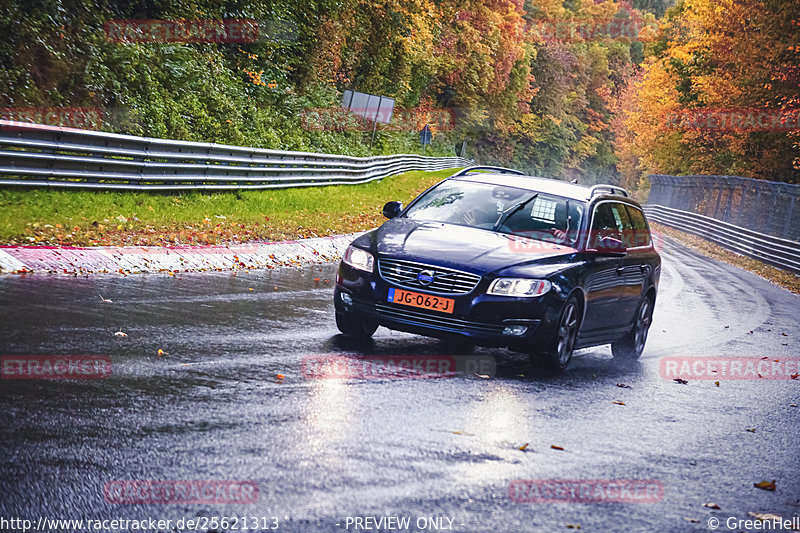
(620, 270)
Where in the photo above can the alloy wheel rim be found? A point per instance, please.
(566, 333)
(642, 325)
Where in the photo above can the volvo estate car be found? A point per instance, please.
(494, 257)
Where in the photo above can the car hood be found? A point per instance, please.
(460, 247)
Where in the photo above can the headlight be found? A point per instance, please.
(520, 287)
(359, 259)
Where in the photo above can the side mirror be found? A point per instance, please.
(612, 247)
(392, 209)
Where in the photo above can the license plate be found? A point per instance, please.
(424, 301)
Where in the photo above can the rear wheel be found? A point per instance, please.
(557, 358)
(632, 345)
(348, 325)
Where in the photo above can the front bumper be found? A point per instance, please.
(477, 317)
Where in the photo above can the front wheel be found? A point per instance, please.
(632, 345)
(557, 358)
(351, 327)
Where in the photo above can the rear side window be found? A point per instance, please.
(610, 220)
(641, 232)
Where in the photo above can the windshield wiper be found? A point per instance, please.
(506, 214)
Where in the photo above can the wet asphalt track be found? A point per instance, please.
(321, 450)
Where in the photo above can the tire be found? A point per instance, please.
(630, 347)
(558, 356)
(351, 327)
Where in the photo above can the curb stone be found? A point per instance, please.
(142, 259)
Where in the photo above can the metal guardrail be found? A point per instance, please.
(47, 156)
(775, 251)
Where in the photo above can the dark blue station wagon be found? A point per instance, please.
(499, 258)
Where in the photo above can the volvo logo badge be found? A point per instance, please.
(425, 277)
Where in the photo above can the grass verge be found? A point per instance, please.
(782, 278)
(111, 218)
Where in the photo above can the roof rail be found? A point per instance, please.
(595, 189)
(500, 170)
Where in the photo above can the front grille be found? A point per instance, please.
(422, 318)
(445, 280)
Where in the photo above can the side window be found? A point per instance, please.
(610, 220)
(623, 223)
(641, 232)
(603, 224)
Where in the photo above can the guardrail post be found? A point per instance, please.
(143, 159)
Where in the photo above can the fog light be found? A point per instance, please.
(346, 298)
(516, 331)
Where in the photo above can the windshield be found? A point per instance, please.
(497, 208)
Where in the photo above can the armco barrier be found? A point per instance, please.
(781, 253)
(39, 155)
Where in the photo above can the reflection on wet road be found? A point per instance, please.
(227, 399)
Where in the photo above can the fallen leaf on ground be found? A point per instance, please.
(692, 520)
(161, 352)
(716, 383)
(573, 526)
(120, 334)
(553, 446)
(105, 300)
(711, 505)
(624, 386)
(766, 485)
(616, 402)
(751, 430)
(482, 376)
(464, 433)
(679, 380)
(523, 447)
